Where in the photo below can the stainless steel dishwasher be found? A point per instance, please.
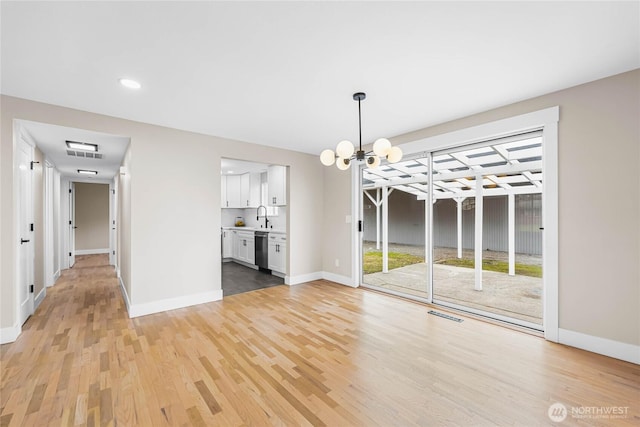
(262, 249)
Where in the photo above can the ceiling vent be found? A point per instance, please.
(84, 154)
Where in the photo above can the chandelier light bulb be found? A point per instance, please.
(381, 147)
(345, 149)
(373, 162)
(327, 157)
(343, 164)
(395, 155)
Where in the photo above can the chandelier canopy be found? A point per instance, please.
(344, 154)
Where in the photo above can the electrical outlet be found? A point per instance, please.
(337, 262)
(347, 219)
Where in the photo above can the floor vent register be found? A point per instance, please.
(445, 316)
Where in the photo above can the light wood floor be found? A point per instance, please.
(314, 354)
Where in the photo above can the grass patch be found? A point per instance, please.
(495, 265)
(372, 262)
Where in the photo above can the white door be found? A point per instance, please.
(25, 219)
(72, 224)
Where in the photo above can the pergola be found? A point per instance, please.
(507, 167)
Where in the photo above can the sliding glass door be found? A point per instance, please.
(460, 227)
(395, 211)
(492, 192)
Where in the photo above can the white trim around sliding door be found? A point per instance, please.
(547, 120)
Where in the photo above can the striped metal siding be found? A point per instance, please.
(495, 233)
(406, 219)
(406, 223)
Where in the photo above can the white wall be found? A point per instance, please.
(91, 217)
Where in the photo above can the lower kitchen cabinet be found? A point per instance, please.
(245, 247)
(278, 252)
(227, 244)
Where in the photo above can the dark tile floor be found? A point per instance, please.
(237, 279)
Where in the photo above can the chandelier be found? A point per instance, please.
(344, 154)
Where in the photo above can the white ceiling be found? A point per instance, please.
(237, 167)
(51, 141)
(282, 73)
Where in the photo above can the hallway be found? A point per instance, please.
(315, 354)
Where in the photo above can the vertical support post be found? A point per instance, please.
(377, 218)
(478, 234)
(512, 233)
(426, 230)
(459, 201)
(385, 229)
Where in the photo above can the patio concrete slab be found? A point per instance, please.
(517, 297)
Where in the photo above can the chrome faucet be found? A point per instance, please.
(266, 220)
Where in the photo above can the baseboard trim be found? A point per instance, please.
(125, 295)
(91, 251)
(10, 334)
(246, 264)
(137, 310)
(339, 279)
(303, 278)
(604, 346)
(39, 298)
(54, 279)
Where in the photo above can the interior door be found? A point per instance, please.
(25, 219)
(72, 224)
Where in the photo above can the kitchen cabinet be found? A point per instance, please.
(232, 192)
(250, 190)
(277, 185)
(223, 191)
(278, 252)
(227, 244)
(244, 247)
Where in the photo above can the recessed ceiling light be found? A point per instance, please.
(131, 84)
(230, 172)
(87, 172)
(83, 146)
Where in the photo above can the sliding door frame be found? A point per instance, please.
(547, 121)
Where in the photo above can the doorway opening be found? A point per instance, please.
(253, 225)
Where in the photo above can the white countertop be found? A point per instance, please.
(269, 230)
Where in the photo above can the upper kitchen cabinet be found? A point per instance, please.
(223, 191)
(231, 192)
(241, 191)
(250, 190)
(277, 185)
